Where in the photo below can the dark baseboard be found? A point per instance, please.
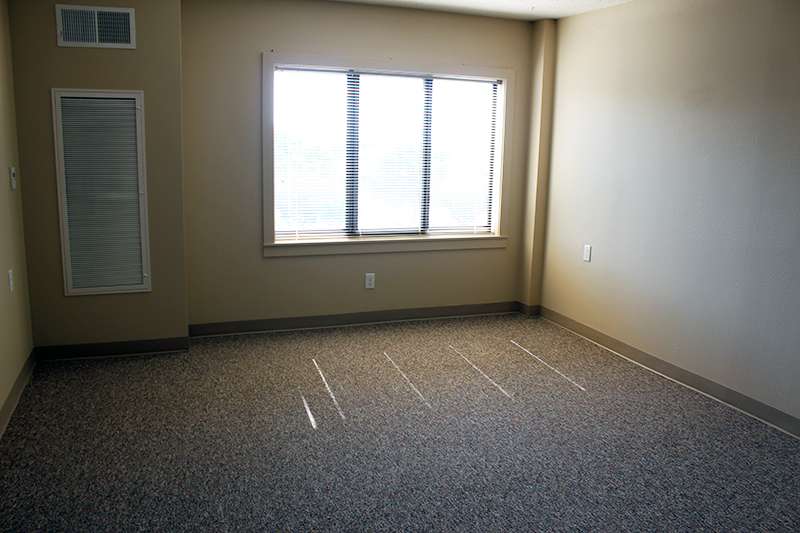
(758, 409)
(105, 349)
(530, 310)
(350, 319)
(10, 403)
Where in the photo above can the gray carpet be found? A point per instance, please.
(219, 439)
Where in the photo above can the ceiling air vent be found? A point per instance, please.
(96, 27)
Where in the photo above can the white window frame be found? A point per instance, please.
(273, 59)
(70, 44)
(138, 96)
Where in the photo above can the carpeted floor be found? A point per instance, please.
(219, 438)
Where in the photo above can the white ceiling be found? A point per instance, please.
(519, 9)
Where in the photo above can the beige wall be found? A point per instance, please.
(153, 67)
(15, 325)
(676, 153)
(228, 277)
(543, 52)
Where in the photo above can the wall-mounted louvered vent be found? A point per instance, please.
(102, 189)
(96, 27)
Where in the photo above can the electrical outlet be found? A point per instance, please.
(587, 253)
(369, 280)
(12, 178)
(10, 281)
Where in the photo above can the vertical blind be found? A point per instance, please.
(101, 193)
(383, 154)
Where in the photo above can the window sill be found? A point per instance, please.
(380, 245)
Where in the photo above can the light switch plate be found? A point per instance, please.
(12, 178)
(587, 253)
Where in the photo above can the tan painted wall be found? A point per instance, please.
(15, 324)
(676, 153)
(153, 67)
(543, 52)
(228, 277)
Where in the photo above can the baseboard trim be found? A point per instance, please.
(11, 402)
(353, 319)
(111, 349)
(530, 310)
(747, 405)
(138, 347)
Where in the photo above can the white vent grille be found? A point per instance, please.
(100, 158)
(96, 27)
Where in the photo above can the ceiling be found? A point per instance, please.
(519, 9)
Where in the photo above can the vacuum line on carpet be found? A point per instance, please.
(308, 412)
(325, 381)
(501, 389)
(408, 381)
(554, 369)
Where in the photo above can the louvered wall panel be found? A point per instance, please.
(114, 27)
(101, 195)
(96, 27)
(78, 25)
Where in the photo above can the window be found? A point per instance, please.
(364, 154)
(101, 185)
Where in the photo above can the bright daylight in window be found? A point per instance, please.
(364, 154)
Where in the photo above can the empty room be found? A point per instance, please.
(392, 265)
